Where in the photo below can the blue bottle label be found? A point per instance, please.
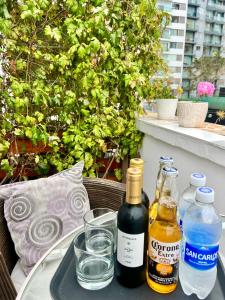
(201, 258)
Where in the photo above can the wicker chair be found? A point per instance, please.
(101, 192)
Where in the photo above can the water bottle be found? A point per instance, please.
(188, 195)
(202, 230)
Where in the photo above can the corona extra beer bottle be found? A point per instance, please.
(164, 161)
(164, 238)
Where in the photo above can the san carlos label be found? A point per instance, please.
(163, 261)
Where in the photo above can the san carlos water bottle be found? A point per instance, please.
(188, 195)
(202, 230)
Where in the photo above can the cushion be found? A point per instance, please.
(39, 212)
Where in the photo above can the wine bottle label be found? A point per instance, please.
(130, 249)
(163, 261)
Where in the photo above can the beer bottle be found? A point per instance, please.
(163, 162)
(164, 238)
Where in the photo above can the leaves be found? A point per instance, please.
(76, 74)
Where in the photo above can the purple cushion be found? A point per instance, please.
(40, 212)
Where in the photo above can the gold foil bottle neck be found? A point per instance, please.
(133, 186)
(137, 163)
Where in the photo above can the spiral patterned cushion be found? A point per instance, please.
(40, 212)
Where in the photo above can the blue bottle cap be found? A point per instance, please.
(198, 179)
(205, 194)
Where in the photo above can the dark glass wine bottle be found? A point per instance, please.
(132, 234)
(139, 163)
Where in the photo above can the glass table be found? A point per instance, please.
(36, 286)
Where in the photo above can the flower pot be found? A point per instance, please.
(191, 114)
(166, 108)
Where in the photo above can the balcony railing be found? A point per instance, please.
(215, 6)
(213, 32)
(219, 20)
(192, 15)
(189, 40)
(188, 52)
(212, 43)
(191, 27)
(194, 2)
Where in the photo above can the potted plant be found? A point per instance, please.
(75, 73)
(193, 113)
(165, 98)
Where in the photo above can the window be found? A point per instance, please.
(189, 36)
(192, 11)
(190, 24)
(173, 45)
(187, 60)
(175, 19)
(165, 46)
(208, 27)
(198, 48)
(176, 45)
(176, 6)
(188, 49)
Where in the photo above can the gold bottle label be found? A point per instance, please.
(163, 261)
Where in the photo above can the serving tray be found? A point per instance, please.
(64, 286)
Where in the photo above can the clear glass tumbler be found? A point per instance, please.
(101, 218)
(94, 265)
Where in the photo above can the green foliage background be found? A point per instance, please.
(76, 73)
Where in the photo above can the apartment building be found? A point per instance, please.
(173, 39)
(204, 36)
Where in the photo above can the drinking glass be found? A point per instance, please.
(94, 266)
(101, 218)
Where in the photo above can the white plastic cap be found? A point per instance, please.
(205, 194)
(198, 179)
(166, 159)
(171, 171)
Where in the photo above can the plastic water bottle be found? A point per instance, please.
(202, 230)
(188, 195)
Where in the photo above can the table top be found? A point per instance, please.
(37, 283)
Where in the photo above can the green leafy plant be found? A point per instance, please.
(161, 89)
(75, 74)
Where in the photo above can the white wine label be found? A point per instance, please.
(130, 249)
(164, 253)
(163, 261)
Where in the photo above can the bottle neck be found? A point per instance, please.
(133, 191)
(160, 176)
(167, 210)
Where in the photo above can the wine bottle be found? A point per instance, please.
(132, 222)
(139, 163)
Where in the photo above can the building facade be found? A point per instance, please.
(173, 39)
(204, 36)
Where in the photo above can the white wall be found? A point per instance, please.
(186, 162)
